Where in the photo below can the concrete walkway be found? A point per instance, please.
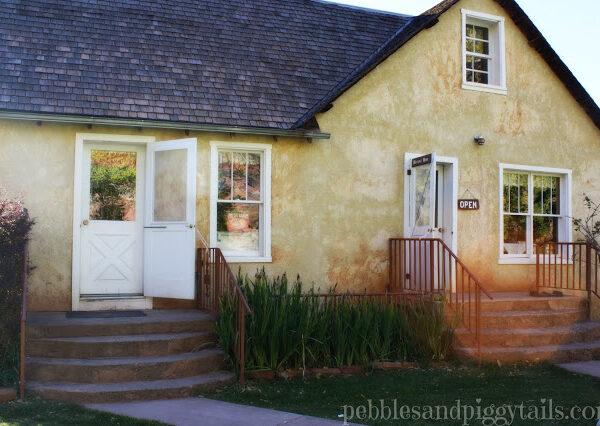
(208, 412)
(591, 368)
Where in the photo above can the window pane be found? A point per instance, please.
(545, 229)
(480, 64)
(254, 177)
(224, 175)
(515, 234)
(480, 77)
(515, 193)
(170, 185)
(470, 30)
(469, 75)
(482, 47)
(422, 199)
(482, 33)
(239, 175)
(238, 226)
(555, 204)
(112, 185)
(470, 46)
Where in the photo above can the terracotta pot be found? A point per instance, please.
(238, 223)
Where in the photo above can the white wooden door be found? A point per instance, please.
(169, 234)
(422, 199)
(111, 220)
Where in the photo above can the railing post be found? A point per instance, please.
(588, 275)
(242, 343)
(431, 269)
(217, 294)
(537, 268)
(23, 322)
(478, 322)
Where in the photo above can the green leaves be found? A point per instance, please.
(292, 329)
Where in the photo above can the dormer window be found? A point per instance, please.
(483, 52)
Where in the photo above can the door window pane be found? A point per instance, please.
(238, 226)
(170, 185)
(112, 185)
(422, 198)
(515, 234)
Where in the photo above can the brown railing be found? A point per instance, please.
(427, 266)
(568, 266)
(214, 279)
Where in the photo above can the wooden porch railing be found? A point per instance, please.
(427, 266)
(568, 266)
(214, 279)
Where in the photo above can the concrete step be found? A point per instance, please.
(131, 391)
(580, 351)
(136, 345)
(107, 370)
(579, 332)
(533, 319)
(504, 302)
(56, 324)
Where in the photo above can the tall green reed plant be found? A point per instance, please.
(292, 329)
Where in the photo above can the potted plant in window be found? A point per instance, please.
(237, 221)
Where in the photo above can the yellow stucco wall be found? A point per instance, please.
(336, 202)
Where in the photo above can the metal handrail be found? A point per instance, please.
(214, 279)
(409, 267)
(23, 321)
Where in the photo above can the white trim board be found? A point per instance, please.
(77, 303)
(265, 149)
(566, 208)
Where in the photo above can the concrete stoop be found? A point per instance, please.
(165, 354)
(517, 328)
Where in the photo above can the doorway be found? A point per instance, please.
(133, 221)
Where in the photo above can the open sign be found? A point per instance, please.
(468, 204)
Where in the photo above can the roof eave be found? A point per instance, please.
(216, 128)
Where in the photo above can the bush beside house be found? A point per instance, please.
(15, 226)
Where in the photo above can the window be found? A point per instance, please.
(535, 208)
(483, 52)
(241, 201)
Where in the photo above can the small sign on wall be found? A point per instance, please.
(472, 204)
(422, 160)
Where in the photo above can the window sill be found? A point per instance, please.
(498, 90)
(248, 259)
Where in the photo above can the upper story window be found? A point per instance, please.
(241, 201)
(483, 52)
(535, 208)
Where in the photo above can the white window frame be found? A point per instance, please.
(265, 187)
(566, 229)
(497, 73)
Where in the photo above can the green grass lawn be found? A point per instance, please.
(534, 386)
(39, 412)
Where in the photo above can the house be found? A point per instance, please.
(298, 136)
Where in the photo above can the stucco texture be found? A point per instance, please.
(336, 202)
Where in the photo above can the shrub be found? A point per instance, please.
(15, 225)
(289, 329)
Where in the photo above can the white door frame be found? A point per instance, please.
(96, 303)
(450, 203)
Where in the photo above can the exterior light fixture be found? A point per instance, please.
(480, 140)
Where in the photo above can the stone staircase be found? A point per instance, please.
(517, 327)
(164, 354)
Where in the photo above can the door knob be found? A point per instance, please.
(191, 226)
(86, 222)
